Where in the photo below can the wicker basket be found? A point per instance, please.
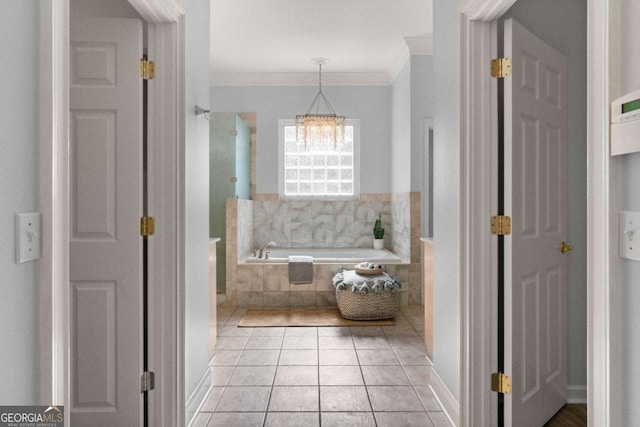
(369, 306)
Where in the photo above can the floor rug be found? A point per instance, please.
(303, 317)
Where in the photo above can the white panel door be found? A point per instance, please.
(535, 108)
(105, 209)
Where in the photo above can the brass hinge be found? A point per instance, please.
(147, 226)
(147, 69)
(147, 381)
(501, 225)
(501, 383)
(500, 67)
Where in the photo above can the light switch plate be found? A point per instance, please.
(27, 237)
(629, 235)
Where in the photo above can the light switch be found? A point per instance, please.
(27, 237)
(629, 236)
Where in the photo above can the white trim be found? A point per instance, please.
(577, 394)
(602, 318)
(445, 398)
(165, 201)
(53, 266)
(197, 398)
(478, 202)
(486, 10)
(159, 11)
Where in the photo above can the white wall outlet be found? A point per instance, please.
(629, 235)
(27, 237)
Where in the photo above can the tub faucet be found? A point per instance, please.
(265, 246)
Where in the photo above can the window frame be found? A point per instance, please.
(356, 164)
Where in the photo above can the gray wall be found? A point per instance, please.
(369, 104)
(563, 26)
(446, 192)
(19, 47)
(401, 131)
(629, 200)
(422, 92)
(197, 194)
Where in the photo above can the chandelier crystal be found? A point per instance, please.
(320, 125)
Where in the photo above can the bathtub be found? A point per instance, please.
(330, 255)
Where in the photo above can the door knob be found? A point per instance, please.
(564, 247)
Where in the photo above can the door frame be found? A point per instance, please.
(165, 19)
(478, 197)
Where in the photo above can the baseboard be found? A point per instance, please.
(577, 394)
(197, 398)
(447, 401)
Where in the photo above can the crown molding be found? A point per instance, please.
(422, 45)
(299, 79)
(159, 11)
(413, 46)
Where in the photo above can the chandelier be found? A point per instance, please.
(320, 125)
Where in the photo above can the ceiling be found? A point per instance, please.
(273, 42)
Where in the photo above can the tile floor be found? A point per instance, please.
(329, 376)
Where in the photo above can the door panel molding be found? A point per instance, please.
(166, 261)
(477, 131)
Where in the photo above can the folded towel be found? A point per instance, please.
(300, 269)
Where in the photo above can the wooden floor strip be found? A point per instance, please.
(571, 415)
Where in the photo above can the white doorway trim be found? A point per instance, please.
(53, 267)
(166, 203)
(478, 109)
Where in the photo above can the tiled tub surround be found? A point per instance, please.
(317, 224)
(268, 285)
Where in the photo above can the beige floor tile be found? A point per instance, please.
(252, 375)
(394, 398)
(293, 419)
(264, 343)
(296, 375)
(223, 419)
(335, 342)
(340, 375)
(351, 419)
(384, 375)
(294, 399)
(298, 357)
(377, 357)
(243, 399)
(405, 419)
(338, 357)
(300, 342)
(344, 399)
(259, 358)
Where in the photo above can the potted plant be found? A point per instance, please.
(378, 233)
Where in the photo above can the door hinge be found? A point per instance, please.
(147, 226)
(147, 381)
(501, 225)
(147, 69)
(500, 67)
(501, 383)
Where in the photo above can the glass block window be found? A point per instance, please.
(324, 171)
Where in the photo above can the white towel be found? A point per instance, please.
(300, 269)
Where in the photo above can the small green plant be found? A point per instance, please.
(378, 231)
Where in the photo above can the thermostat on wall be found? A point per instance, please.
(625, 124)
